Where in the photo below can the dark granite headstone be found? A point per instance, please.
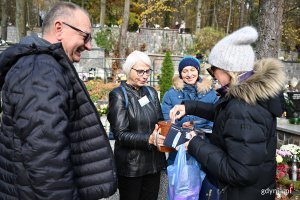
(295, 98)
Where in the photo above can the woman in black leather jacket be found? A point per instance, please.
(134, 111)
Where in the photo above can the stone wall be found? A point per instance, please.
(292, 69)
(287, 138)
(154, 42)
(11, 34)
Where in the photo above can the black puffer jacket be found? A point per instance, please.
(132, 127)
(52, 143)
(241, 156)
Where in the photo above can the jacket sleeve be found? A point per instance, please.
(200, 109)
(245, 148)
(158, 106)
(119, 123)
(41, 115)
(166, 105)
(209, 98)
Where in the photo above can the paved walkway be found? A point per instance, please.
(163, 185)
(162, 192)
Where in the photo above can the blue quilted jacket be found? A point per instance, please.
(180, 92)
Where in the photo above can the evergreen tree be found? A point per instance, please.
(167, 72)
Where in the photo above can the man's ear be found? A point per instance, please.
(58, 30)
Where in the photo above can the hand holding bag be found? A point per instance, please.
(185, 177)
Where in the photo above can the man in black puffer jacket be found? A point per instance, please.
(52, 143)
(240, 158)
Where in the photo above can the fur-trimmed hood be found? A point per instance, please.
(202, 87)
(267, 81)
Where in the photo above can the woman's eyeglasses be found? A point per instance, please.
(87, 36)
(142, 72)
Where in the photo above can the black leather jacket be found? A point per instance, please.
(132, 126)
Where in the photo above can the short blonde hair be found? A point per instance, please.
(234, 77)
(133, 58)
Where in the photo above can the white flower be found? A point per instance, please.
(279, 159)
(294, 149)
(103, 106)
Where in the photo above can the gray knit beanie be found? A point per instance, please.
(234, 53)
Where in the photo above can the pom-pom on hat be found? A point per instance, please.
(188, 61)
(234, 53)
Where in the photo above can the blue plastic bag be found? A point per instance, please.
(185, 177)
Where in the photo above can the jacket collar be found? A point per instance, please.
(12, 54)
(267, 81)
(203, 86)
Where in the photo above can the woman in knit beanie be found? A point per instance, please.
(240, 157)
(189, 86)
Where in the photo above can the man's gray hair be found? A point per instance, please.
(61, 9)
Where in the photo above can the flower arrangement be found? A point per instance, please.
(99, 90)
(285, 153)
(102, 109)
(284, 157)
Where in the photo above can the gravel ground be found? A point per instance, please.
(163, 185)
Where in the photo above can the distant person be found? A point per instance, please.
(182, 27)
(200, 57)
(177, 25)
(52, 143)
(240, 157)
(133, 113)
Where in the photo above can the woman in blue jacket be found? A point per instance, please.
(189, 86)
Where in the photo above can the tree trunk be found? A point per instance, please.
(120, 53)
(28, 11)
(229, 17)
(269, 28)
(215, 18)
(20, 19)
(38, 17)
(3, 20)
(167, 14)
(242, 12)
(123, 31)
(145, 16)
(198, 19)
(102, 14)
